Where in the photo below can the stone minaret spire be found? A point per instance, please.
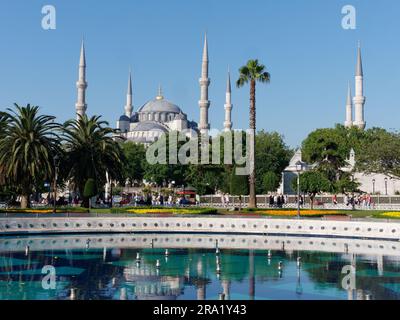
(228, 105)
(204, 103)
(359, 99)
(349, 109)
(129, 105)
(81, 85)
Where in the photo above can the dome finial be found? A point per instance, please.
(159, 95)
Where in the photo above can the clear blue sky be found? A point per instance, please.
(310, 57)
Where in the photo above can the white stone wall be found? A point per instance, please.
(232, 225)
(177, 125)
(367, 185)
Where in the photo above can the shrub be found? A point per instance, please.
(90, 188)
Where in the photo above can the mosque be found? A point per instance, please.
(158, 116)
(373, 183)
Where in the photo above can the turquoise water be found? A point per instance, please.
(187, 273)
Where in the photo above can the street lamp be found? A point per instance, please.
(55, 162)
(373, 186)
(299, 169)
(386, 186)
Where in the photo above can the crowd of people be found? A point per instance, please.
(135, 199)
(158, 199)
(364, 201)
(278, 201)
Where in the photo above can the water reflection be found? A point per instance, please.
(202, 267)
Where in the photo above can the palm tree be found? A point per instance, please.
(91, 149)
(252, 72)
(28, 144)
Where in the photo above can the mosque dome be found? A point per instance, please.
(159, 104)
(150, 126)
(124, 118)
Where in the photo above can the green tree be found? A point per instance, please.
(92, 149)
(312, 183)
(329, 150)
(206, 178)
(238, 184)
(270, 181)
(346, 184)
(380, 152)
(272, 157)
(134, 166)
(28, 144)
(252, 72)
(168, 171)
(90, 189)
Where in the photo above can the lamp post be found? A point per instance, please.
(373, 186)
(299, 169)
(386, 186)
(55, 162)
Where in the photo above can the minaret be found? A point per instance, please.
(204, 103)
(349, 109)
(359, 99)
(81, 85)
(129, 106)
(228, 105)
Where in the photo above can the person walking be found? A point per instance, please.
(278, 203)
(282, 200)
(271, 201)
(227, 200)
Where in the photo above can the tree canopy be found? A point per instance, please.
(91, 150)
(377, 151)
(28, 145)
(380, 152)
(134, 166)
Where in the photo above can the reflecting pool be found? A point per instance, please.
(203, 267)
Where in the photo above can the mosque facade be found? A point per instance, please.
(158, 115)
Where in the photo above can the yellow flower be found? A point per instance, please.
(391, 214)
(158, 211)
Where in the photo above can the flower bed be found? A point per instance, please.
(395, 215)
(46, 210)
(165, 211)
(304, 213)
